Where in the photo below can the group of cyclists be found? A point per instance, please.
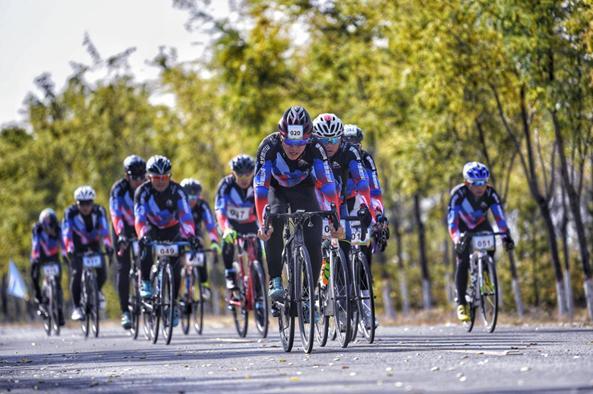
(307, 164)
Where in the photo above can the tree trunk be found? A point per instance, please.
(403, 290)
(516, 286)
(399, 259)
(588, 285)
(388, 307)
(566, 256)
(426, 293)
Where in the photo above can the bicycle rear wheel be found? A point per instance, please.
(239, 307)
(286, 307)
(322, 326)
(489, 294)
(365, 297)
(85, 323)
(186, 302)
(198, 302)
(340, 281)
(260, 298)
(45, 309)
(167, 303)
(305, 295)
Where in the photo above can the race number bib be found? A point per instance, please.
(325, 233)
(197, 261)
(92, 261)
(51, 269)
(295, 132)
(239, 213)
(483, 242)
(166, 250)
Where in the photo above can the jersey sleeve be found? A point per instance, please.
(140, 221)
(453, 216)
(221, 202)
(117, 216)
(209, 221)
(186, 219)
(374, 184)
(67, 233)
(104, 228)
(324, 176)
(262, 179)
(498, 212)
(359, 177)
(35, 245)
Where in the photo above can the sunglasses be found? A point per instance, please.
(138, 177)
(290, 142)
(192, 197)
(85, 203)
(478, 183)
(330, 140)
(156, 177)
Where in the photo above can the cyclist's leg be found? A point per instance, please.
(123, 278)
(277, 201)
(35, 278)
(461, 275)
(101, 274)
(75, 285)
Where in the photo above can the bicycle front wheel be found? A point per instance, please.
(340, 281)
(54, 310)
(286, 313)
(186, 302)
(363, 286)
(134, 303)
(198, 302)
(489, 294)
(322, 325)
(154, 315)
(239, 307)
(93, 305)
(167, 303)
(260, 298)
(305, 295)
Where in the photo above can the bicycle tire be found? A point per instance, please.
(305, 295)
(134, 304)
(198, 302)
(322, 326)
(94, 305)
(365, 279)
(286, 315)
(240, 312)
(84, 301)
(489, 322)
(260, 299)
(186, 303)
(341, 285)
(155, 312)
(54, 309)
(167, 303)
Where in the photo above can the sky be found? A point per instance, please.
(38, 36)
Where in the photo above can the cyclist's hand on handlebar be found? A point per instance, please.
(508, 242)
(461, 245)
(195, 243)
(229, 236)
(122, 244)
(215, 246)
(339, 233)
(265, 235)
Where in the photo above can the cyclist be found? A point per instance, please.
(354, 135)
(468, 210)
(235, 211)
(351, 177)
(85, 229)
(289, 163)
(121, 206)
(47, 242)
(201, 213)
(161, 213)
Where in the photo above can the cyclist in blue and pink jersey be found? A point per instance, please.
(202, 214)
(121, 207)
(468, 210)
(288, 164)
(162, 213)
(85, 229)
(235, 211)
(47, 243)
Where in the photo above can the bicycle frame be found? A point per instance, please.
(245, 247)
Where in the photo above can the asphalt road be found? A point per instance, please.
(411, 359)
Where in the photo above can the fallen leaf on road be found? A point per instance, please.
(434, 369)
(294, 379)
(525, 369)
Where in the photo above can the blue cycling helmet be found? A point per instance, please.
(158, 165)
(476, 173)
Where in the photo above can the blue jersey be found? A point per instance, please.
(80, 231)
(233, 204)
(46, 247)
(161, 210)
(121, 207)
(201, 213)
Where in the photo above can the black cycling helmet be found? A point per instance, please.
(295, 126)
(134, 165)
(192, 187)
(158, 165)
(242, 164)
(353, 134)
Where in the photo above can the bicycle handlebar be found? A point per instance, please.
(303, 215)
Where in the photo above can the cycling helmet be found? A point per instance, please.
(295, 126)
(353, 133)
(134, 165)
(242, 164)
(158, 165)
(48, 219)
(191, 187)
(476, 173)
(84, 193)
(328, 126)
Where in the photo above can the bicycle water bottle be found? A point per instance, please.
(324, 272)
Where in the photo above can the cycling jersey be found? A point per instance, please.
(201, 213)
(473, 211)
(121, 207)
(234, 205)
(80, 231)
(46, 247)
(162, 210)
(373, 176)
(274, 168)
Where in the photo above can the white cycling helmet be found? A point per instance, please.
(328, 126)
(84, 193)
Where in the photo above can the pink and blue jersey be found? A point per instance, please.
(80, 231)
(45, 246)
(466, 212)
(121, 207)
(202, 214)
(275, 169)
(234, 205)
(161, 210)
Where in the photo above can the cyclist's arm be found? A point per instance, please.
(375, 186)
(220, 205)
(67, 233)
(498, 212)
(358, 175)
(453, 217)
(209, 222)
(117, 216)
(325, 176)
(187, 226)
(140, 221)
(262, 179)
(104, 229)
